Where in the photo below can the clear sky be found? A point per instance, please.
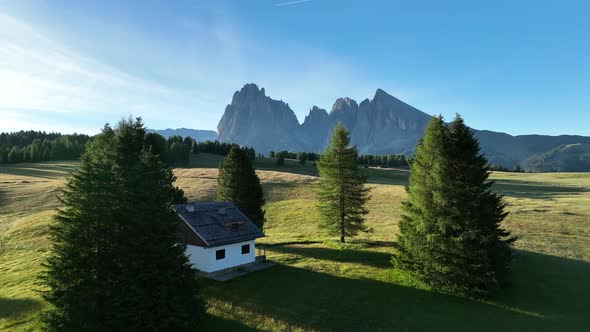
(514, 66)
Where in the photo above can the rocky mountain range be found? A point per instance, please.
(381, 125)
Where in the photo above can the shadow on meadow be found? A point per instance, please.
(278, 191)
(214, 323)
(548, 294)
(44, 170)
(364, 257)
(537, 190)
(386, 176)
(3, 199)
(15, 307)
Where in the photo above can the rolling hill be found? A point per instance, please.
(564, 158)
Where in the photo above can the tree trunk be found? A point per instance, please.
(341, 198)
(341, 218)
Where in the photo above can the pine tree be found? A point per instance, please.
(302, 157)
(158, 145)
(238, 183)
(14, 156)
(450, 235)
(116, 264)
(341, 193)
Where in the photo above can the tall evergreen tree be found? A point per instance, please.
(450, 235)
(116, 264)
(158, 145)
(342, 193)
(238, 183)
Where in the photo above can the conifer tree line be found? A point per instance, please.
(34, 146)
(222, 148)
(174, 150)
(392, 160)
(306, 156)
(500, 168)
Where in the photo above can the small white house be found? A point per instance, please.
(217, 235)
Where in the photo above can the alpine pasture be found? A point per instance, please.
(320, 284)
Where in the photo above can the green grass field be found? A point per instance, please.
(321, 285)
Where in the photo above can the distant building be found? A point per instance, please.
(218, 235)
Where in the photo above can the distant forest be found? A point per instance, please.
(176, 150)
(392, 160)
(33, 146)
(221, 148)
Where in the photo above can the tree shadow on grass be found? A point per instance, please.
(364, 257)
(215, 323)
(386, 176)
(553, 286)
(290, 166)
(44, 171)
(537, 190)
(14, 307)
(548, 294)
(3, 199)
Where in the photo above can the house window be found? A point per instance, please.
(220, 254)
(245, 249)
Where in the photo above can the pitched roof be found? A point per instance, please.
(218, 223)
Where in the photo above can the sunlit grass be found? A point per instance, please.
(321, 284)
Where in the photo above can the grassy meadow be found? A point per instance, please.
(322, 285)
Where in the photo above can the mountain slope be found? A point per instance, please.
(564, 158)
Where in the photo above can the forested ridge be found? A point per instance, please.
(34, 146)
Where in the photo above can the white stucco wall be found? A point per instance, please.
(204, 258)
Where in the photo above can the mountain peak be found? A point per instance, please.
(249, 112)
(251, 89)
(316, 112)
(343, 104)
(379, 94)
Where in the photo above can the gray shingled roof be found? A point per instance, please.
(218, 223)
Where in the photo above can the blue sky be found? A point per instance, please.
(520, 67)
